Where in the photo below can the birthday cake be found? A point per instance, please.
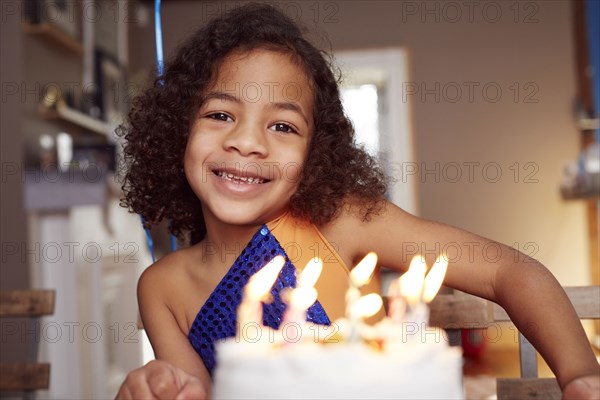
(398, 358)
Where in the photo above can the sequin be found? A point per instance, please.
(216, 319)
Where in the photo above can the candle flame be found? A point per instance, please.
(303, 297)
(261, 282)
(310, 274)
(435, 278)
(361, 274)
(411, 282)
(366, 306)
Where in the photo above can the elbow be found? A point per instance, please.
(522, 274)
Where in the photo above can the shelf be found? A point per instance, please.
(56, 35)
(72, 188)
(589, 194)
(75, 117)
(588, 124)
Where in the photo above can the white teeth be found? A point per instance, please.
(239, 179)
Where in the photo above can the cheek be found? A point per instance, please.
(291, 169)
(192, 159)
(188, 155)
(189, 169)
(291, 172)
(196, 147)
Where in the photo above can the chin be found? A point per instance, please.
(241, 217)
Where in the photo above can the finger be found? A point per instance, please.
(123, 393)
(135, 387)
(164, 383)
(583, 388)
(192, 389)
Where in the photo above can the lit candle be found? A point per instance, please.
(411, 282)
(435, 278)
(366, 306)
(418, 288)
(304, 295)
(311, 272)
(256, 290)
(359, 276)
(397, 305)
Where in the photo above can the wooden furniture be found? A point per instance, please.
(56, 35)
(462, 311)
(28, 376)
(586, 301)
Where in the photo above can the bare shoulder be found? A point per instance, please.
(168, 283)
(357, 234)
(169, 269)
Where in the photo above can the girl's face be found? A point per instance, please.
(248, 143)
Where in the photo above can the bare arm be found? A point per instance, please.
(533, 298)
(179, 372)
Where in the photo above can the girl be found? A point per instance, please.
(244, 147)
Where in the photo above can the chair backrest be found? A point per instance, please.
(26, 303)
(463, 311)
(30, 375)
(586, 301)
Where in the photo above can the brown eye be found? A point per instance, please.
(285, 128)
(220, 117)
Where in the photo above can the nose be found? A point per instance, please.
(247, 140)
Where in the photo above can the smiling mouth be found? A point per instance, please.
(247, 180)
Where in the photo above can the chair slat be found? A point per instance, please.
(26, 303)
(528, 389)
(527, 358)
(453, 311)
(24, 376)
(585, 300)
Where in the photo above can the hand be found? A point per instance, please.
(584, 388)
(161, 380)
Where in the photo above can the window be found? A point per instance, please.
(372, 97)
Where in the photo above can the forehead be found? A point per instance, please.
(264, 75)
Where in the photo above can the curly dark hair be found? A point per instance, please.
(156, 133)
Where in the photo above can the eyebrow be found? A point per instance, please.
(221, 96)
(279, 105)
(289, 106)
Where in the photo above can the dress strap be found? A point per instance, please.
(302, 241)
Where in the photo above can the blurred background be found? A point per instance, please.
(484, 113)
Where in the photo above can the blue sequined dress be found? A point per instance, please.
(217, 317)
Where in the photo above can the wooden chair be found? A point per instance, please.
(586, 301)
(30, 375)
(462, 311)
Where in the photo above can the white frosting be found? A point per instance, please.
(413, 367)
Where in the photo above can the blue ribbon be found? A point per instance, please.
(160, 66)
